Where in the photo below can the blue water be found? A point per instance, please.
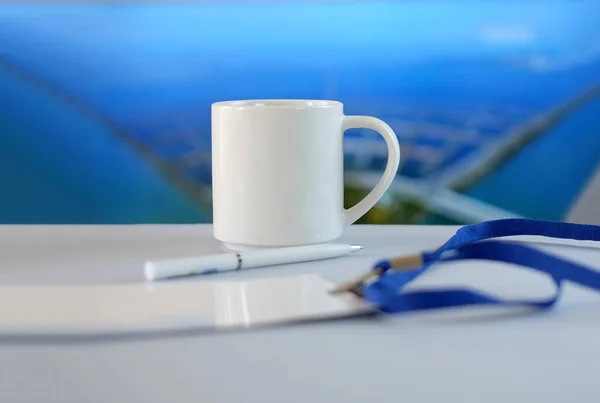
(545, 178)
(57, 166)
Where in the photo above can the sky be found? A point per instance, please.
(380, 30)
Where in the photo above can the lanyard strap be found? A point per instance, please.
(392, 276)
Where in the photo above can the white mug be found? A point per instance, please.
(278, 172)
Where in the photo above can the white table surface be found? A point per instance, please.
(466, 356)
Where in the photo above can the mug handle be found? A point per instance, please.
(367, 122)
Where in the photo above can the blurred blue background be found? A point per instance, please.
(105, 107)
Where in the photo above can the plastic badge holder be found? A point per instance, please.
(214, 305)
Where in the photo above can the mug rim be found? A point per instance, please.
(278, 103)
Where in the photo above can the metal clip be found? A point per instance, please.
(400, 263)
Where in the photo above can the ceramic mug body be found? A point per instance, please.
(278, 172)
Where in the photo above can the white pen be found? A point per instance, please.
(224, 262)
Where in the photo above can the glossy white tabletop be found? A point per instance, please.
(474, 356)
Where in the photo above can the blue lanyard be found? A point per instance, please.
(471, 242)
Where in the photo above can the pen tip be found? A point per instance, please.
(356, 248)
(149, 271)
